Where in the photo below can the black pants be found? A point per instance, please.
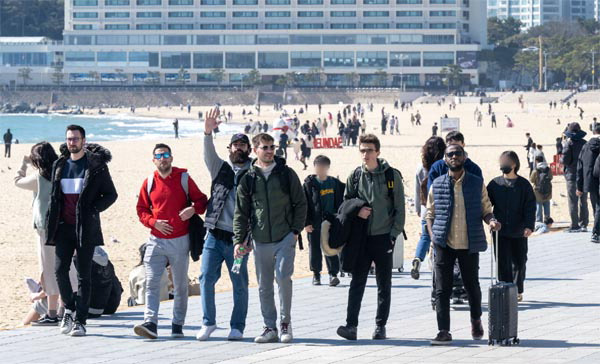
(512, 259)
(379, 249)
(595, 200)
(66, 246)
(316, 256)
(444, 277)
(6, 150)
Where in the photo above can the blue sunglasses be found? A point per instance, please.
(165, 155)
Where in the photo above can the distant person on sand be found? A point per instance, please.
(7, 142)
(176, 128)
(494, 125)
(434, 129)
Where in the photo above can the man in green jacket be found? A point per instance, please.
(271, 208)
(380, 186)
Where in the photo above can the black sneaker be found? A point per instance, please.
(595, 239)
(416, 266)
(443, 338)
(333, 281)
(78, 329)
(476, 330)
(347, 332)
(576, 229)
(46, 321)
(177, 331)
(316, 279)
(147, 330)
(379, 333)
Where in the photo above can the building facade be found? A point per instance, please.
(350, 42)
(538, 12)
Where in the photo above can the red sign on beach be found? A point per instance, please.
(327, 143)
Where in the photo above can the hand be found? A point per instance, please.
(578, 193)
(495, 225)
(527, 233)
(241, 249)
(163, 227)
(365, 212)
(309, 228)
(296, 237)
(210, 121)
(187, 213)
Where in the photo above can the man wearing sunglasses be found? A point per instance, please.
(271, 207)
(218, 247)
(457, 204)
(163, 208)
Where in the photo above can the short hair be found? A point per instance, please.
(574, 127)
(370, 139)
(323, 160)
(454, 146)
(161, 146)
(539, 158)
(74, 127)
(548, 220)
(527, 134)
(513, 157)
(456, 136)
(539, 146)
(262, 137)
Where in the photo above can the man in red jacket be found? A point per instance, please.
(163, 207)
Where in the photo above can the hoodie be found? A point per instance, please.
(586, 181)
(571, 149)
(387, 216)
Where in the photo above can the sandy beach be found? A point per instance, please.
(132, 163)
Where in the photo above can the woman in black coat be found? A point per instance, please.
(514, 206)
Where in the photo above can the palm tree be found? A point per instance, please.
(24, 74)
(352, 78)
(218, 74)
(381, 77)
(181, 76)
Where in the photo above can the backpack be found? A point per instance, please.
(543, 184)
(197, 231)
(389, 178)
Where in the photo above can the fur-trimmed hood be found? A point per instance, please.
(94, 150)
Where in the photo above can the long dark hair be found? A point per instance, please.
(42, 158)
(432, 151)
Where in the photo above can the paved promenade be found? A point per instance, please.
(559, 322)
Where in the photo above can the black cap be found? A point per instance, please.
(239, 137)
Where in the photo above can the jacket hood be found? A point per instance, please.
(382, 166)
(578, 135)
(594, 144)
(97, 151)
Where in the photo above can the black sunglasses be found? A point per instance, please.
(458, 153)
(267, 147)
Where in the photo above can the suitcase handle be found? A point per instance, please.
(494, 272)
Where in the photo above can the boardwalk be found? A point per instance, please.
(559, 322)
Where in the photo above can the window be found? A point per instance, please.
(181, 14)
(212, 2)
(438, 39)
(174, 39)
(376, 13)
(277, 2)
(442, 13)
(310, 26)
(208, 60)
(405, 59)
(343, 26)
(343, 2)
(85, 2)
(80, 58)
(406, 39)
(212, 14)
(440, 2)
(208, 39)
(34, 59)
(116, 26)
(82, 26)
(175, 60)
(438, 59)
(376, 26)
(310, 2)
(111, 57)
(305, 59)
(338, 59)
(409, 13)
(339, 39)
(175, 77)
(411, 79)
(272, 60)
(149, 14)
(272, 39)
(112, 40)
(205, 77)
(409, 2)
(244, 26)
(149, 2)
(342, 14)
(306, 14)
(245, 2)
(78, 39)
(181, 2)
(240, 60)
(277, 14)
(245, 14)
(409, 25)
(148, 26)
(213, 26)
(305, 39)
(375, 2)
(180, 26)
(120, 14)
(116, 2)
(139, 58)
(371, 39)
(85, 15)
(239, 39)
(442, 25)
(371, 59)
(278, 26)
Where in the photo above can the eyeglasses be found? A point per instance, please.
(267, 147)
(165, 155)
(458, 153)
(74, 139)
(365, 151)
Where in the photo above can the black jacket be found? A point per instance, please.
(586, 181)
(314, 214)
(98, 193)
(571, 150)
(514, 206)
(350, 231)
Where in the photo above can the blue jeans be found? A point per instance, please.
(542, 206)
(424, 242)
(216, 252)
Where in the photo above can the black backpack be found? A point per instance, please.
(389, 180)
(543, 185)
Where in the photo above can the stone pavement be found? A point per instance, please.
(559, 322)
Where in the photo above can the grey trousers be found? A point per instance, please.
(578, 207)
(159, 252)
(275, 262)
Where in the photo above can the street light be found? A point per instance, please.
(402, 58)
(545, 67)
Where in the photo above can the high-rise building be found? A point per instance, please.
(138, 41)
(537, 12)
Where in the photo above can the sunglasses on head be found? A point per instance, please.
(457, 153)
(165, 155)
(267, 147)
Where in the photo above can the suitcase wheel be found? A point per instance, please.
(516, 341)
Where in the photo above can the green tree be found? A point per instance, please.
(95, 76)
(252, 78)
(381, 77)
(57, 75)
(452, 75)
(182, 76)
(32, 18)
(153, 77)
(24, 74)
(316, 75)
(352, 78)
(501, 30)
(218, 74)
(121, 76)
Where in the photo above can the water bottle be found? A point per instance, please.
(237, 263)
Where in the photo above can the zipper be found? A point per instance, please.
(268, 207)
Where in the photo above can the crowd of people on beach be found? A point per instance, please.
(260, 205)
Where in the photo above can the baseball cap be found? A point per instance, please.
(239, 137)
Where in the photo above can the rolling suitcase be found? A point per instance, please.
(398, 257)
(503, 307)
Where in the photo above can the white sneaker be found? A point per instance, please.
(286, 333)
(235, 335)
(205, 332)
(66, 325)
(78, 330)
(269, 335)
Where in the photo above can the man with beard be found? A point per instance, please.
(456, 206)
(218, 247)
(81, 189)
(164, 207)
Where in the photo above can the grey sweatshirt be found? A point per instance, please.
(213, 163)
